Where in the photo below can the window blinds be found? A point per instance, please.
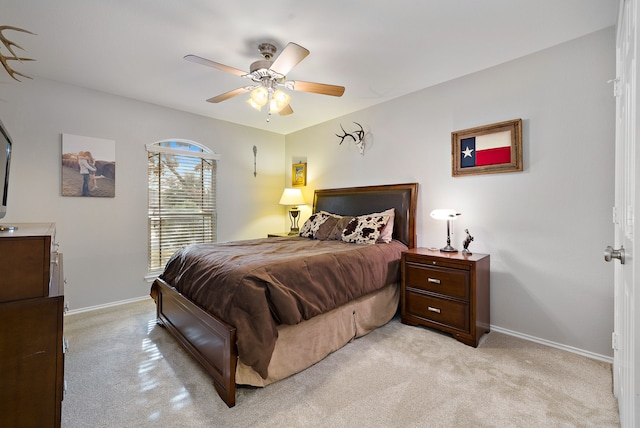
(182, 202)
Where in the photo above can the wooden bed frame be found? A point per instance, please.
(212, 341)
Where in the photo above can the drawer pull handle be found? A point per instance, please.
(433, 280)
(432, 309)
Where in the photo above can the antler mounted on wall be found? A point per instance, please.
(4, 59)
(357, 136)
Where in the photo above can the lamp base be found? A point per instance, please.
(448, 249)
(293, 215)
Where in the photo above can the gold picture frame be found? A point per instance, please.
(488, 149)
(299, 174)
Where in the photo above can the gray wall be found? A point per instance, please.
(545, 227)
(104, 240)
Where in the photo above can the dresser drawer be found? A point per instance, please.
(445, 281)
(27, 268)
(441, 311)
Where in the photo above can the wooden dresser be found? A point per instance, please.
(31, 335)
(446, 291)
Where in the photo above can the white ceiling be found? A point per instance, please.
(378, 50)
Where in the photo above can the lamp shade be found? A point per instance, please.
(444, 214)
(292, 197)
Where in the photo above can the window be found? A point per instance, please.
(182, 198)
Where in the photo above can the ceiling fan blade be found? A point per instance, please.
(227, 95)
(291, 56)
(209, 63)
(286, 111)
(317, 88)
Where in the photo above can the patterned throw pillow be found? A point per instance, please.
(365, 229)
(310, 227)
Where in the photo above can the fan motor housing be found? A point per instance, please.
(260, 64)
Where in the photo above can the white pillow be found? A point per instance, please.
(387, 233)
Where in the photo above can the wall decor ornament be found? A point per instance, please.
(487, 149)
(4, 59)
(255, 154)
(299, 174)
(357, 136)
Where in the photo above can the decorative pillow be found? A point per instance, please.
(326, 227)
(387, 233)
(337, 223)
(310, 227)
(338, 229)
(365, 229)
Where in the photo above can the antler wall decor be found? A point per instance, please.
(357, 136)
(4, 59)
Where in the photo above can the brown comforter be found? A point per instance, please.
(257, 284)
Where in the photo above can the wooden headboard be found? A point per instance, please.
(355, 201)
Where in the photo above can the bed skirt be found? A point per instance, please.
(302, 345)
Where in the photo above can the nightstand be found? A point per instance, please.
(275, 235)
(446, 291)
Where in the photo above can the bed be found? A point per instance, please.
(255, 344)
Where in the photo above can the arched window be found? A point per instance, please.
(182, 198)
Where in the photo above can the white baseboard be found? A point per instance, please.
(107, 305)
(567, 348)
(495, 328)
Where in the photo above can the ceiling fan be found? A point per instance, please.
(268, 75)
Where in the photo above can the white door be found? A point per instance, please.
(626, 374)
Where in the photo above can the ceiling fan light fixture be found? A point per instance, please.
(267, 74)
(254, 105)
(260, 96)
(279, 100)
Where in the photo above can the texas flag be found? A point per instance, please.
(491, 149)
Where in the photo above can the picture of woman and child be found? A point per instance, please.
(87, 165)
(83, 172)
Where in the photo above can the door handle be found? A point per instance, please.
(610, 253)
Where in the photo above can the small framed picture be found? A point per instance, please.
(299, 174)
(488, 149)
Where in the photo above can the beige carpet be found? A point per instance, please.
(123, 370)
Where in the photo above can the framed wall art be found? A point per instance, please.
(299, 174)
(488, 149)
(88, 166)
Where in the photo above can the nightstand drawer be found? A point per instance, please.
(445, 281)
(441, 311)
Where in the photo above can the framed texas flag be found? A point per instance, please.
(487, 149)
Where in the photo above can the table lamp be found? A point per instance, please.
(293, 197)
(446, 214)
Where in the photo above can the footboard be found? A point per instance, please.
(210, 340)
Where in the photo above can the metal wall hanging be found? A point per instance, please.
(255, 153)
